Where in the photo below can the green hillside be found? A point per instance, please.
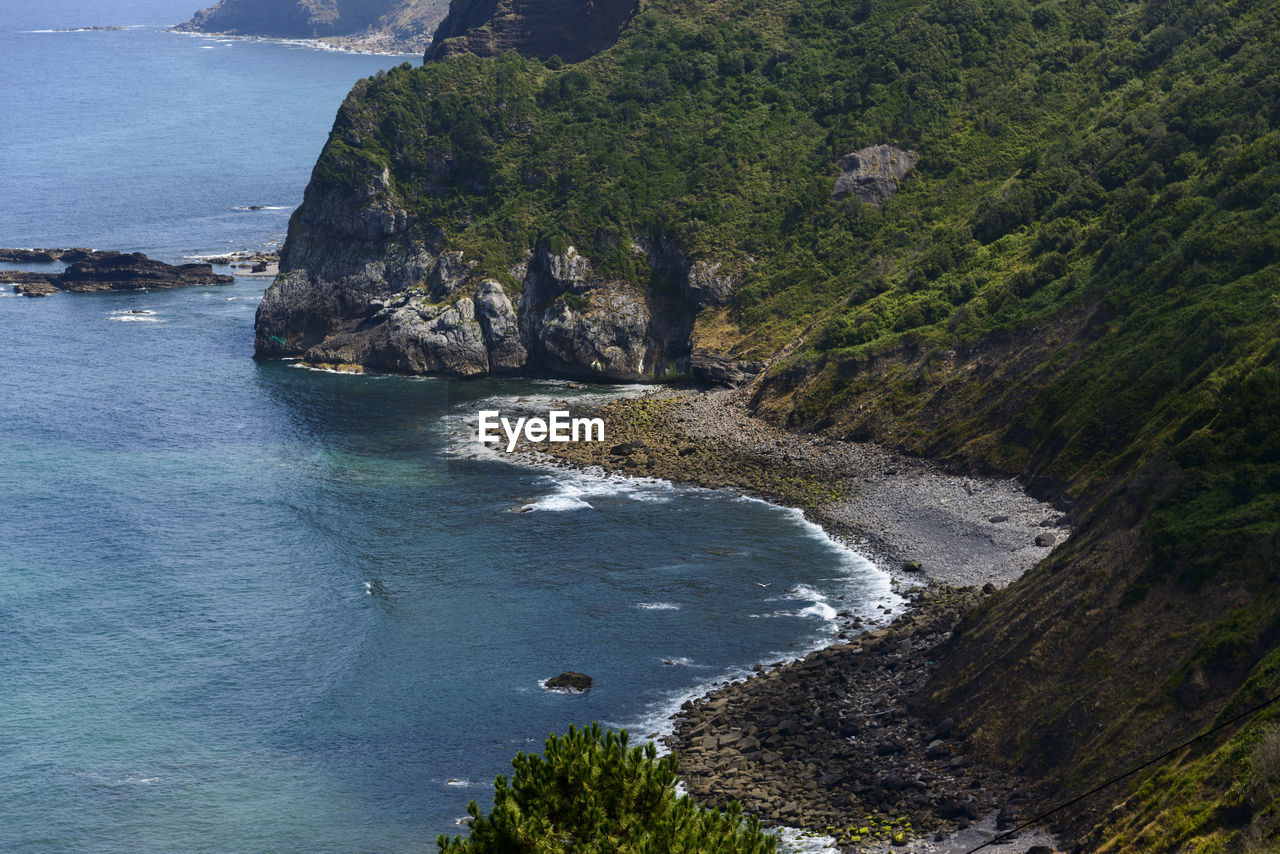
(1078, 283)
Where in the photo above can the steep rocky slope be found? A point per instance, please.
(570, 29)
(1076, 282)
(393, 23)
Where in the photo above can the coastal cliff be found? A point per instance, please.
(1023, 241)
(382, 24)
(570, 29)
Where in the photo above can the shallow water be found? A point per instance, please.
(246, 606)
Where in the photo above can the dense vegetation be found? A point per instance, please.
(1079, 283)
(588, 792)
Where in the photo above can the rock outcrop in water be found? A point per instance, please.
(390, 24)
(92, 270)
(570, 681)
(570, 29)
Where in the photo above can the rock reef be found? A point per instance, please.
(92, 270)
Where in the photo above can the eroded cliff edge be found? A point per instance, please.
(570, 29)
(362, 285)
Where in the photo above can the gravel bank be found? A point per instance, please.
(899, 511)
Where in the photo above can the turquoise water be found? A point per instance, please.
(251, 607)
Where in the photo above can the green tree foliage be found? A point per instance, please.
(589, 792)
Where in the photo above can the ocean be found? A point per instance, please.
(246, 606)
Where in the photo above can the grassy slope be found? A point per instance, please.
(1080, 283)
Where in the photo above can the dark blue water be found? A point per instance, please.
(251, 607)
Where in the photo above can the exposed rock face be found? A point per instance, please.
(572, 320)
(570, 29)
(362, 284)
(703, 281)
(407, 21)
(346, 251)
(873, 173)
(440, 319)
(500, 327)
(707, 285)
(716, 369)
(409, 333)
(109, 271)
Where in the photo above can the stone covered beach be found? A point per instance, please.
(843, 742)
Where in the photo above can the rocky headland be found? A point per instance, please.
(364, 284)
(422, 309)
(92, 270)
(379, 26)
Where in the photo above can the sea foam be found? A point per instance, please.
(556, 504)
(134, 316)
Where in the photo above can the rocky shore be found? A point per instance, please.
(917, 521)
(843, 742)
(92, 270)
(265, 265)
(835, 743)
(374, 43)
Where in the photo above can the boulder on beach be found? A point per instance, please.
(570, 680)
